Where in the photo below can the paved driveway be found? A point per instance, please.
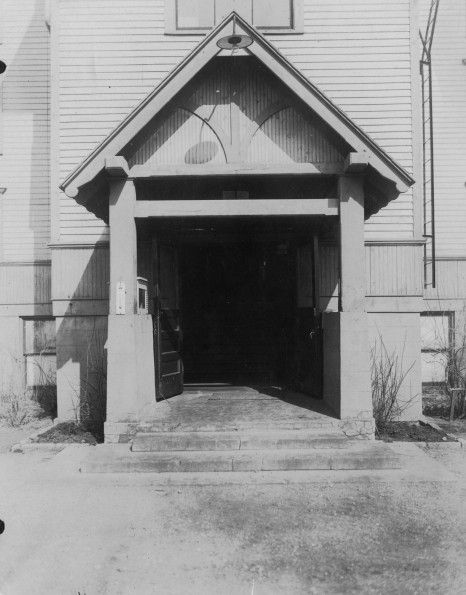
(338, 532)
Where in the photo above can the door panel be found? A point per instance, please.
(309, 362)
(167, 330)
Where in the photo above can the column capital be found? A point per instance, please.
(117, 166)
(355, 163)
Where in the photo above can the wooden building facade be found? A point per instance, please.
(260, 206)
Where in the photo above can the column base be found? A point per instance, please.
(347, 382)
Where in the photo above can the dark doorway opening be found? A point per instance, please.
(238, 312)
(234, 301)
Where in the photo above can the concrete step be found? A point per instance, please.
(156, 426)
(358, 455)
(251, 440)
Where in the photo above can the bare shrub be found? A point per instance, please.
(93, 406)
(17, 409)
(90, 401)
(387, 376)
(44, 392)
(20, 405)
(449, 349)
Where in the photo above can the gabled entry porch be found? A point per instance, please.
(222, 191)
(245, 288)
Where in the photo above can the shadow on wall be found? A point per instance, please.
(81, 324)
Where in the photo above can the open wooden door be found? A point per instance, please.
(308, 379)
(166, 317)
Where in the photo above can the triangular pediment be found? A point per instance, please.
(218, 110)
(236, 111)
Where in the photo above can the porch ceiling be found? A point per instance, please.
(235, 114)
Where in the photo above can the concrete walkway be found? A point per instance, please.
(271, 533)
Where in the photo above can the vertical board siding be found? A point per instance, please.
(391, 270)
(451, 280)
(25, 163)
(242, 116)
(182, 138)
(449, 92)
(25, 283)
(144, 261)
(329, 270)
(288, 137)
(81, 273)
(112, 54)
(394, 270)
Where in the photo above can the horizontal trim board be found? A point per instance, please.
(289, 169)
(259, 207)
(76, 245)
(394, 304)
(396, 242)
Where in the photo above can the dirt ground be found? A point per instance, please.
(411, 432)
(70, 432)
(70, 533)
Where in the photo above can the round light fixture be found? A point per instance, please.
(234, 41)
(2, 67)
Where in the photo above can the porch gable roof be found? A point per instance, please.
(391, 180)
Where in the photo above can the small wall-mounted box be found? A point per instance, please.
(143, 296)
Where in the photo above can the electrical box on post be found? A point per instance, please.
(143, 296)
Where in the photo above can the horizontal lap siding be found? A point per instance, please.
(449, 82)
(24, 165)
(112, 54)
(358, 53)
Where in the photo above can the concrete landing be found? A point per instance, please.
(237, 408)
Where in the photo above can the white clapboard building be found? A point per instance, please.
(228, 192)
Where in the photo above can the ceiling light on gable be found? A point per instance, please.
(234, 41)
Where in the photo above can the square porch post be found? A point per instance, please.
(130, 357)
(347, 386)
(121, 345)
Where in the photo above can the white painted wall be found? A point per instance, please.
(113, 53)
(449, 81)
(24, 158)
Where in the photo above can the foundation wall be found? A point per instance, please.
(12, 367)
(401, 337)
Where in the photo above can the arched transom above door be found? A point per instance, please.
(237, 112)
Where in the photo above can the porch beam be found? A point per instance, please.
(148, 171)
(234, 208)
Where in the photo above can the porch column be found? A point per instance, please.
(347, 385)
(121, 343)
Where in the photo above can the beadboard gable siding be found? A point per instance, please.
(113, 53)
(237, 112)
(449, 92)
(24, 164)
